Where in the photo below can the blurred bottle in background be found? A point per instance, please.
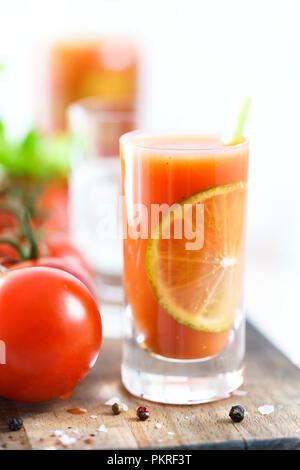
(94, 195)
(105, 68)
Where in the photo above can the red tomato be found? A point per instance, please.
(9, 227)
(7, 220)
(53, 201)
(71, 266)
(51, 328)
(8, 254)
(59, 246)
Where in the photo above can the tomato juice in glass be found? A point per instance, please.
(185, 320)
(76, 69)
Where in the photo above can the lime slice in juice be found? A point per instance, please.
(201, 288)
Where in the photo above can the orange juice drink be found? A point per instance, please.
(184, 213)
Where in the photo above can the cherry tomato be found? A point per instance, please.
(59, 246)
(8, 254)
(71, 266)
(51, 328)
(8, 221)
(8, 229)
(53, 201)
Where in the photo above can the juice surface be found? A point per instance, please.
(169, 170)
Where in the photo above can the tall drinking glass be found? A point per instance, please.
(95, 189)
(184, 239)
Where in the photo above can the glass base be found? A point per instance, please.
(180, 390)
(179, 381)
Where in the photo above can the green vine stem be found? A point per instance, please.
(23, 217)
(33, 247)
(16, 246)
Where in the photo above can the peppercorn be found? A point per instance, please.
(14, 424)
(89, 441)
(143, 413)
(237, 413)
(117, 408)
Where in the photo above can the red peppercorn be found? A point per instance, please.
(143, 413)
(90, 440)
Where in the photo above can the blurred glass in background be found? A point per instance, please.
(95, 187)
(76, 69)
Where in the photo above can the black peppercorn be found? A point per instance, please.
(14, 424)
(143, 413)
(237, 413)
(117, 408)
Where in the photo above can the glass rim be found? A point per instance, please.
(97, 109)
(135, 138)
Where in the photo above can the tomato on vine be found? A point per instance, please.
(56, 251)
(52, 331)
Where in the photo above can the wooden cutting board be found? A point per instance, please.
(270, 379)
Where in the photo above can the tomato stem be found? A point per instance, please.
(33, 247)
(26, 232)
(15, 245)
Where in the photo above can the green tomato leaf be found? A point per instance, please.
(36, 156)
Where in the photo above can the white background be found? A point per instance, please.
(195, 56)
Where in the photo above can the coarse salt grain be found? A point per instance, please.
(112, 400)
(67, 440)
(171, 433)
(266, 409)
(94, 416)
(49, 448)
(158, 425)
(102, 428)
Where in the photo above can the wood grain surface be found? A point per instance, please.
(270, 379)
